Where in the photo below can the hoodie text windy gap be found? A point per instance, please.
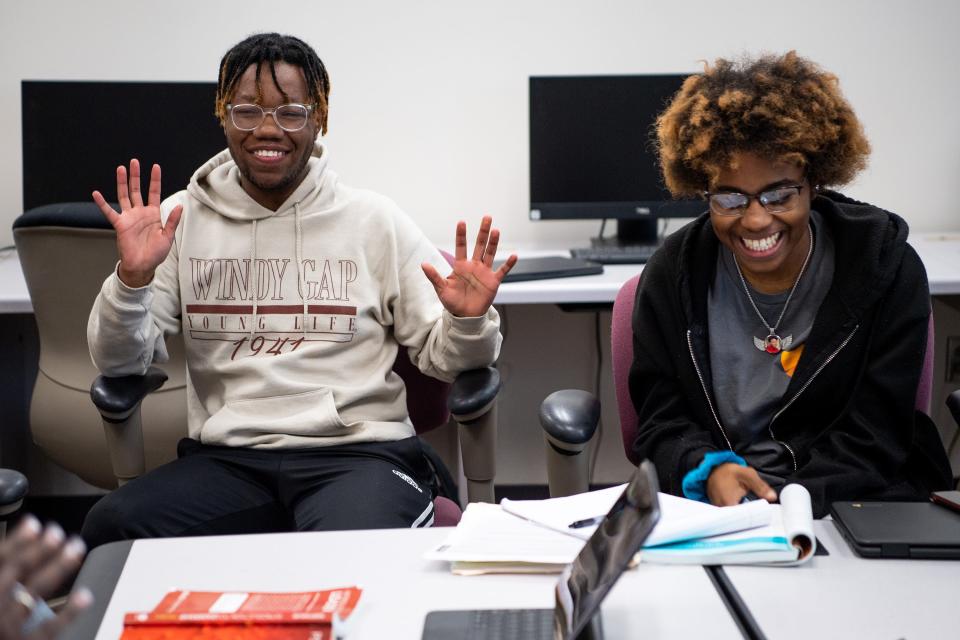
(291, 319)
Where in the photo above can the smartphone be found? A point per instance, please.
(948, 499)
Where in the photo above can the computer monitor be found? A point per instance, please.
(76, 133)
(592, 152)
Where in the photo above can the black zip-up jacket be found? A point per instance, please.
(848, 416)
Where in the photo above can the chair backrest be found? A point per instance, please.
(426, 396)
(621, 339)
(621, 356)
(925, 387)
(66, 250)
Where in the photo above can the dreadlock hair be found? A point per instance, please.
(784, 108)
(271, 48)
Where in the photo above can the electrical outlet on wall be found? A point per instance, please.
(952, 370)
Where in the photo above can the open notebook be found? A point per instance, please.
(523, 536)
(691, 532)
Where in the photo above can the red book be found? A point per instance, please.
(181, 615)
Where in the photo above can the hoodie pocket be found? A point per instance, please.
(267, 420)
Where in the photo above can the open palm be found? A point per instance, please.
(143, 241)
(472, 285)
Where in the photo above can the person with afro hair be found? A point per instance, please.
(780, 336)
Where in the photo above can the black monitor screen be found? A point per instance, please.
(76, 133)
(592, 152)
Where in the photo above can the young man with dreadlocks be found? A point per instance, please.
(780, 337)
(293, 292)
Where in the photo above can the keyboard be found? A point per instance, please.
(490, 624)
(615, 254)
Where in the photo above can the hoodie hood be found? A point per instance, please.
(875, 237)
(217, 185)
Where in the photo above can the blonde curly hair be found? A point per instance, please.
(782, 107)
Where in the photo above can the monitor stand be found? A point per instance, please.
(630, 233)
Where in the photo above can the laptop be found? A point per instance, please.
(549, 267)
(581, 587)
(899, 529)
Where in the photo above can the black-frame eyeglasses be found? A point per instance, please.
(734, 203)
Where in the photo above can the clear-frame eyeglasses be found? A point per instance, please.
(289, 117)
(777, 200)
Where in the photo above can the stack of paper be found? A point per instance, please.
(489, 540)
(535, 535)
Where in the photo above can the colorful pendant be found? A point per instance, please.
(773, 344)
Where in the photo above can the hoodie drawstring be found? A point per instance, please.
(298, 241)
(254, 276)
(299, 251)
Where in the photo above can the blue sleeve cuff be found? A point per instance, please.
(695, 482)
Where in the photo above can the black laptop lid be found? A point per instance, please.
(899, 529)
(544, 267)
(608, 553)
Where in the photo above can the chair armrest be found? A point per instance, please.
(472, 401)
(569, 419)
(13, 488)
(118, 397)
(472, 393)
(953, 403)
(118, 401)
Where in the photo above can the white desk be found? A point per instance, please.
(14, 297)
(940, 253)
(601, 288)
(399, 586)
(844, 596)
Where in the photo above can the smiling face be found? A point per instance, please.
(770, 248)
(272, 162)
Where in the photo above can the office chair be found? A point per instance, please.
(569, 417)
(66, 250)
(470, 399)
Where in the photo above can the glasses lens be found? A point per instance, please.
(728, 203)
(291, 117)
(779, 200)
(246, 116)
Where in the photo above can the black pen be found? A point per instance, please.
(589, 522)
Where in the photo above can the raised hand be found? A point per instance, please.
(142, 240)
(34, 563)
(470, 288)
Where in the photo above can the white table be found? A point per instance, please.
(940, 253)
(14, 297)
(399, 586)
(845, 596)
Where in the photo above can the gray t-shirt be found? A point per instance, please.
(749, 382)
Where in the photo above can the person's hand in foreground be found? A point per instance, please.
(34, 562)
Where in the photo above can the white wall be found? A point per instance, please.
(429, 106)
(429, 100)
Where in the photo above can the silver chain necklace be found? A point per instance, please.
(773, 343)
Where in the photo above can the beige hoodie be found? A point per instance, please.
(291, 319)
